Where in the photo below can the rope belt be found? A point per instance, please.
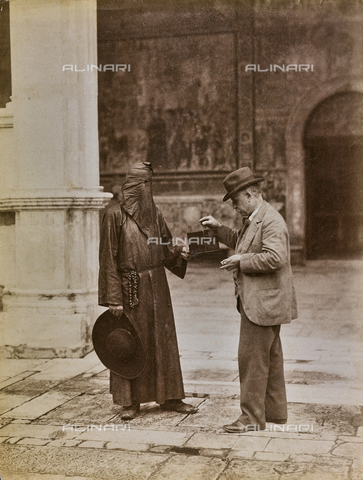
(134, 282)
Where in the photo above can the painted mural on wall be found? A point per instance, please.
(175, 108)
(270, 146)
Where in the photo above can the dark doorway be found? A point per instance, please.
(334, 178)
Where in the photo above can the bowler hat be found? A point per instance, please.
(239, 179)
(118, 345)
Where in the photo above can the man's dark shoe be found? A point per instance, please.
(129, 413)
(178, 406)
(239, 427)
(235, 427)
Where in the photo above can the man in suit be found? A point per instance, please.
(265, 299)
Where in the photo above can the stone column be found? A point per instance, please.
(50, 194)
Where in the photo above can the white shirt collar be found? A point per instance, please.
(254, 213)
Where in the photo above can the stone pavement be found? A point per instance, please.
(57, 420)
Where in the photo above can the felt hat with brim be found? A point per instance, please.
(118, 345)
(238, 180)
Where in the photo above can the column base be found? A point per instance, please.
(48, 326)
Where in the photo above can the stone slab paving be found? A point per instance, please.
(216, 369)
(190, 468)
(126, 445)
(323, 369)
(35, 476)
(83, 384)
(8, 402)
(272, 457)
(6, 381)
(151, 416)
(336, 394)
(84, 462)
(32, 441)
(208, 388)
(346, 438)
(65, 368)
(96, 370)
(334, 442)
(349, 449)
(90, 408)
(327, 394)
(64, 443)
(40, 405)
(201, 440)
(356, 470)
(30, 387)
(214, 412)
(240, 454)
(38, 431)
(92, 444)
(268, 454)
(325, 419)
(14, 366)
(294, 445)
(147, 436)
(209, 342)
(325, 390)
(257, 444)
(264, 470)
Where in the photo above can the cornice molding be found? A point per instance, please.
(59, 200)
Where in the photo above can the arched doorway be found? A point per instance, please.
(333, 142)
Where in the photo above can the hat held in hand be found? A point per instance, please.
(118, 345)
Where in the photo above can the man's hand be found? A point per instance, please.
(116, 310)
(185, 253)
(210, 221)
(231, 263)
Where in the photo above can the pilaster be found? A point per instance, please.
(50, 201)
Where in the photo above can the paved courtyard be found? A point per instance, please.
(57, 420)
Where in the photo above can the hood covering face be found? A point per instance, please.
(138, 200)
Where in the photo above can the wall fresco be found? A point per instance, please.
(176, 107)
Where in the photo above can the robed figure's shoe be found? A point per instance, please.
(129, 413)
(178, 406)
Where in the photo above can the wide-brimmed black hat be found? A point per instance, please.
(238, 180)
(118, 345)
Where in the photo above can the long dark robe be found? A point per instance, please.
(124, 247)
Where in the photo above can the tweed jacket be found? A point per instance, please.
(263, 280)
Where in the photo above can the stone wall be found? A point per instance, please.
(213, 87)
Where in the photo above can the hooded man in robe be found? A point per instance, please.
(135, 248)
